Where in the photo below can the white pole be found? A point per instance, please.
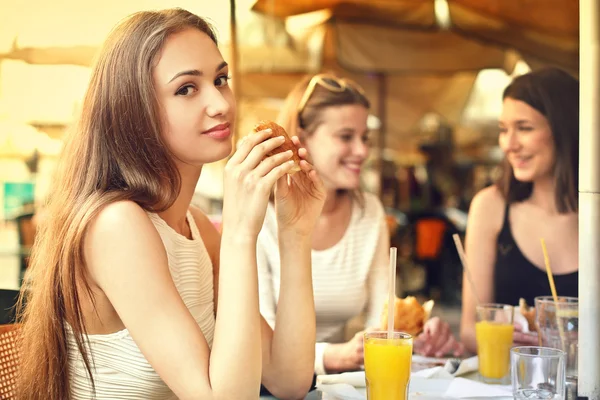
(589, 200)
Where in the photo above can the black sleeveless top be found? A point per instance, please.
(515, 276)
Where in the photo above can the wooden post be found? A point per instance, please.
(589, 200)
(234, 70)
(382, 115)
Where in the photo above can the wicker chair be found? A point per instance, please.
(8, 361)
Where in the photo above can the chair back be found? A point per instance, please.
(9, 360)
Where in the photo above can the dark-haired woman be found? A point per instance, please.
(535, 197)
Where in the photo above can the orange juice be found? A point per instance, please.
(494, 341)
(387, 367)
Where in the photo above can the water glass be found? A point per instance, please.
(554, 320)
(538, 373)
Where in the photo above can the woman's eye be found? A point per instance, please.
(222, 80)
(186, 90)
(346, 138)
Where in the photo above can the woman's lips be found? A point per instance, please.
(220, 131)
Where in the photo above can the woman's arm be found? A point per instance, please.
(267, 300)
(288, 350)
(484, 223)
(287, 368)
(127, 260)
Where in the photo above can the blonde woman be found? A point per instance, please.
(350, 245)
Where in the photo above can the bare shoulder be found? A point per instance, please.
(373, 206)
(119, 219)
(488, 199)
(118, 238)
(487, 209)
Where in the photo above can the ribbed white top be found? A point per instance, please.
(120, 370)
(347, 279)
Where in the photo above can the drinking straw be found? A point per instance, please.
(392, 292)
(553, 289)
(463, 261)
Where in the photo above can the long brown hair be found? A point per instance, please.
(555, 94)
(302, 119)
(115, 153)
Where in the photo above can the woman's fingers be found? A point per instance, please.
(443, 336)
(259, 152)
(437, 333)
(316, 180)
(433, 326)
(302, 152)
(460, 350)
(247, 143)
(525, 338)
(296, 141)
(269, 180)
(446, 347)
(307, 167)
(271, 162)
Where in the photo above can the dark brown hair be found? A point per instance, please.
(555, 94)
(116, 152)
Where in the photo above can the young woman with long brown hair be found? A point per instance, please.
(132, 293)
(535, 197)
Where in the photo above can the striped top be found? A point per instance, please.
(347, 279)
(119, 368)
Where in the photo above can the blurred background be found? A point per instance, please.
(434, 71)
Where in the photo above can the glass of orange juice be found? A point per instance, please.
(494, 332)
(387, 365)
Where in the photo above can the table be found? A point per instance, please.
(314, 395)
(317, 395)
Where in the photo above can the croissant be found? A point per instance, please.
(409, 315)
(529, 314)
(278, 130)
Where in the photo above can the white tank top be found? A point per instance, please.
(119, 368)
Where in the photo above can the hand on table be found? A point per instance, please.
(342, 357)
(437, 340)
(521, 338)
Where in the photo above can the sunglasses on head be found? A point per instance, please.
(331, 83)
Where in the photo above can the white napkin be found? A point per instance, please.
(461, 388)
(520, 319)
(433, 373)
(356, 379)
(467, 365)
(340, 391)
(420, 387)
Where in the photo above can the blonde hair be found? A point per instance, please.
(305, 121)
(116, 152)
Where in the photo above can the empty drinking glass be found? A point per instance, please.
(538, 373)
